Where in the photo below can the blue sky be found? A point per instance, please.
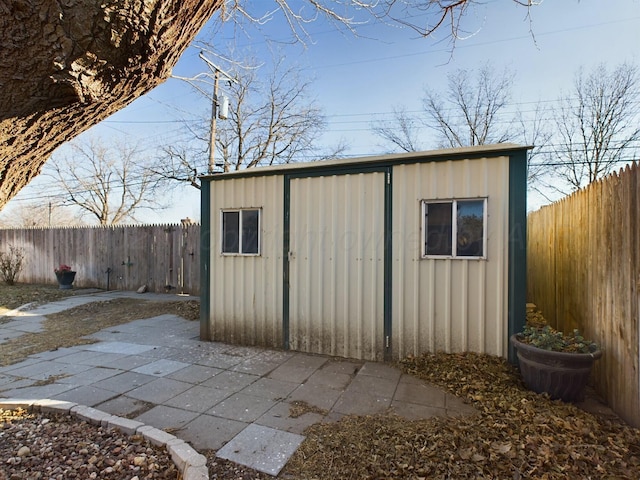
(359, 79)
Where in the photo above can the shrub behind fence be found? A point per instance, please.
(583, 272)
(163, 257)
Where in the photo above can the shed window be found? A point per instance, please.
(241, 231)
(455, 228)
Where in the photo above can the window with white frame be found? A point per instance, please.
(240, 231)
(455, 228)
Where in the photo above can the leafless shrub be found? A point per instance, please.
(11, 264)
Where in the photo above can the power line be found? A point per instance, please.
(149, 122)
(63, 195)
(377, 116)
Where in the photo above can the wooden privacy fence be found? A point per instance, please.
(163, 257)
(583, 272)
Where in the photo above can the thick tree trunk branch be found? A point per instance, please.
(65, 65)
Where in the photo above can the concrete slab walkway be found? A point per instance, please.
(235, 400)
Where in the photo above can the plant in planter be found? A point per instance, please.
(65, 276)
(554, 363)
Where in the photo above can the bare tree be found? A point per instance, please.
(38, 214)
(401, 131)
(533, 130)
(108, 183)
(598, 123)
(183, 163)
(68, 65)
(471, 110)
(271, 120)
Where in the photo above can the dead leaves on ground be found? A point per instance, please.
(517, 434)
(297, 408)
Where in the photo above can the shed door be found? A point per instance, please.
(336, 265)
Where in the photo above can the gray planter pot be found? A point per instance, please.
(65, 280)
(562, 375)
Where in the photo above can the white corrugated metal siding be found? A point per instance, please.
(246, 291)
(450, 305)
(336, 265)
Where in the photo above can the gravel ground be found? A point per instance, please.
(35, 446)
(60, 447)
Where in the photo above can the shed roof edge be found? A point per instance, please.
(460, 153)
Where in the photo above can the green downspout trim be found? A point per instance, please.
(517, 270)
(388, 264)
(205, 260)
(285, 261)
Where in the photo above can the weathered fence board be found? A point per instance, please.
(163, 257)
(583, 272)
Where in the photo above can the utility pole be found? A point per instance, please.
(212, 131)
(217, 71)
(218, 110)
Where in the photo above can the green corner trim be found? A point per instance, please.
(517, 270)
(388, 265)
(205, 260)
(285, 260)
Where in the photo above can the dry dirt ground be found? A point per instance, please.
(67, 328)
(516, 434)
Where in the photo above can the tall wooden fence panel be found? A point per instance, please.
(163, 257)
(583, 272)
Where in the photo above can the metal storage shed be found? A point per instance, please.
(372, 258)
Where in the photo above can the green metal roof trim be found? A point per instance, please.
(339, 166)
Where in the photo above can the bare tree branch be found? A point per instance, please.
(271, 120)
(38, 214)
(69, 65)
(109, 184)
(449, 14)
(472, 111)
(468, 113)
(597, 123)
(351, 14)
(180, 164)
(535, 132)
(401, 131)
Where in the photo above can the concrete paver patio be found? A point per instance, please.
(214, 396)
